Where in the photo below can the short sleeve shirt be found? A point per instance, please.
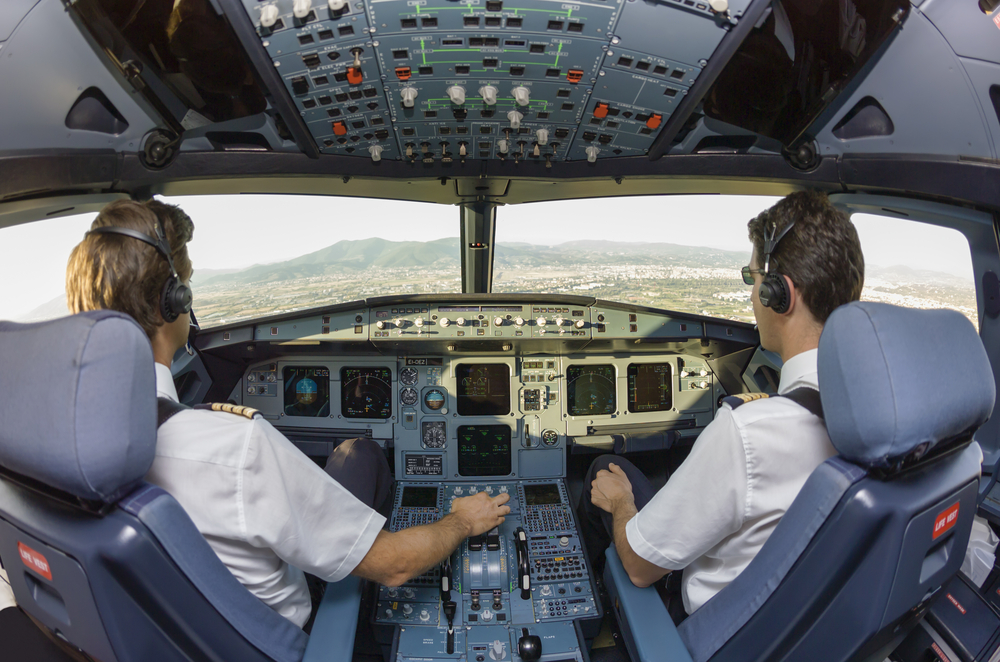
(267, 510)
(721, 505)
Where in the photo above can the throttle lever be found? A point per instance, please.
(523, 563)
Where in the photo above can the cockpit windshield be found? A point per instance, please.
(678, 253)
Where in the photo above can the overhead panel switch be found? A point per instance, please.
(521, 95)
(457, 94)
(543, 136)
(515, 119)
(654, 121)
(409, 95)
(601, 110)
(592, 152)
(376, 152)
(301, 8)
(337, 5)
(489, 94)
(268, 15)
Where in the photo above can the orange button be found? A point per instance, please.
(654, 121)
(354, 76)
(339, 129)
(601, 110)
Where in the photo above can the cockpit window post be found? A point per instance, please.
(478, 232)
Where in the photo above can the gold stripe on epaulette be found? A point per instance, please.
(750, 397)
(239, 410)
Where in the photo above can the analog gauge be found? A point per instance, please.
(408, 396)
(434, 399)
(433, 434)
(550, 437)
(408, 376)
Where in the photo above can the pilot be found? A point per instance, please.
(266, 509)
(718, 508)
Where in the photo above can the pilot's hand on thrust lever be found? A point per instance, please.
(480, 512)
(610, 487)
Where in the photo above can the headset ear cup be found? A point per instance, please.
(774, 294)
(166, 300)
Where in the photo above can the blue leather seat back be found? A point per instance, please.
(128, 576)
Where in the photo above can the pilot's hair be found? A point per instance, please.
(821, 254)
(110, 271)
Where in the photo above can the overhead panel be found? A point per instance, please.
(522, 80)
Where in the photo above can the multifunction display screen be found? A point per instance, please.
(307, 391)
(484, 450)
(650, 387)
(483, 389)
(419, 497)
(366, 392)
(541, 495)
(590, 390)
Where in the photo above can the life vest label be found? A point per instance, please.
(945, 521)
(34, 560)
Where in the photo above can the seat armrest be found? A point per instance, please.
(648, 630)
(332, 638)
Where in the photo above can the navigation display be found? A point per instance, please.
(484, 450)
(590, 390)
(541, 495)
(307, 391)
(419, 497)
(650, 387)
(483, 389)
(366, 392)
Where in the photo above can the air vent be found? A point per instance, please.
(94, 112)
(867, 119)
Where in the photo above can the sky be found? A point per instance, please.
(233, 232)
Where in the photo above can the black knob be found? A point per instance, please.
(529, 646)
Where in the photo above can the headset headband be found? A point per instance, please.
(159, 243)
(771, 242)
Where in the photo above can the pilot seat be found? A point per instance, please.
(877, 530)
(109, 564)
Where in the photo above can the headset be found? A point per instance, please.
(773, 292)
(175, 299)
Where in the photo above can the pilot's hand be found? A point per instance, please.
(480, 512)
(609, 487)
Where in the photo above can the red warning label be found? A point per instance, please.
(996, 20)
(958, 605)
(34, 560)
(944, 521)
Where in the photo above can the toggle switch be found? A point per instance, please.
(592, 153)
(376, 152)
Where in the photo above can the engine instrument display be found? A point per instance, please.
(433, 434)
(484, 450)
(366, 392)
(307, 391)
(650, 387)
(541, 495)
(590, 390)
(483, 389)
(419, 497)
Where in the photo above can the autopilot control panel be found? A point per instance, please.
(517, 592)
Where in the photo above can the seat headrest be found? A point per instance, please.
(78, 403)
(895, 380)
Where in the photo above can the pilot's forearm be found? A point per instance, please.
(395, 558)
(640, 571)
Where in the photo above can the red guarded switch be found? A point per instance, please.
(601, 110)
(339, 129)
(354, 76)
(654, 121)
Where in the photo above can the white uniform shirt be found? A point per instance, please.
(721, 505)
(267, 510)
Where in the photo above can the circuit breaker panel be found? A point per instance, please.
(527, 80)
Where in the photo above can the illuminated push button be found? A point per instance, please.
(515, 118)
(301, 8)
(497, 321)
(457, 94)
(518, 321)
(460, 321)
(268, 15)
(409, 95)
(444, 321)
(489, 94)
(521, 95)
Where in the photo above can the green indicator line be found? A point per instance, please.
(569, 13)
(422, 53)
(558, 53)
(418, 9)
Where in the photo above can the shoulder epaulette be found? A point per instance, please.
(735, 401)
(239, 410)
